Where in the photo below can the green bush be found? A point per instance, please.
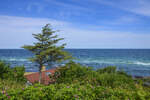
(70, 72)
(10, 84)
(14, 74)
(18, 73)
(107, 77)
(4, 70)
(115, 80)
(109, 69)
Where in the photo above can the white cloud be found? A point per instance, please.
(67, 5)
(106, 39)
(17, 31)
(124, 20)
(142, 8)
(35, 5)
(135, 6)
(29, 23)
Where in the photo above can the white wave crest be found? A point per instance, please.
(15, 59)
(114, 61)
(142, 63)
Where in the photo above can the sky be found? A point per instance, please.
(83, 23)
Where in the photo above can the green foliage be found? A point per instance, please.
(71, 72)
(115, 80)
(108, 77)
(14, 74)
(109, 69)
(11, 84)
(77, 82)
(18, 73)
(4, 70)
(74, 91)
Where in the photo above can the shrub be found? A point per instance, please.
(4, 70)
(70, 72)
(18, 73)
(10, 84)
(107, 77)
(114, 80)
(109, 69)
(14, 74)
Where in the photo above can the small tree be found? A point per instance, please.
(45, 50)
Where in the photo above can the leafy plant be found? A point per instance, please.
(109, 69)
(14, 74)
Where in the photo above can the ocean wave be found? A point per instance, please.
(88, 61)
(14, 59)
(114, 61)
(142, 63)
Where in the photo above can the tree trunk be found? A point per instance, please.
(40, 74)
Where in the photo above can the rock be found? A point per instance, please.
(146, 84)
(138, 77)
(28, 84)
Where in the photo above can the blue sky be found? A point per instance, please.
(83, 23)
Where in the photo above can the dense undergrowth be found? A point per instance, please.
(11, 78)
(76, 82)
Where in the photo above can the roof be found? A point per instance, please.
(34, 77)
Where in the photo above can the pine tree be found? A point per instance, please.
(45, 50)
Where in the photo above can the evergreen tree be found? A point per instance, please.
(45, 50)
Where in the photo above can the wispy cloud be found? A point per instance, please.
(68, 5)
(124, 20)
(90, 7)
(35, 5)
(17, 31)
(135, 6)
(142, 7)
(64, 10)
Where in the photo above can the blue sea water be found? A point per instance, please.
(133, 61)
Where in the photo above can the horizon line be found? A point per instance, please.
(86, 48)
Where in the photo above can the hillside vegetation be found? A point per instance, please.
(73, 82)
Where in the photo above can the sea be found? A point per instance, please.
(135, 62)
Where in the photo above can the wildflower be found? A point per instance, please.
(22, 88)
(92, 87)
(3, 92)
(8, 97)
(76, 96)
(68, 86)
